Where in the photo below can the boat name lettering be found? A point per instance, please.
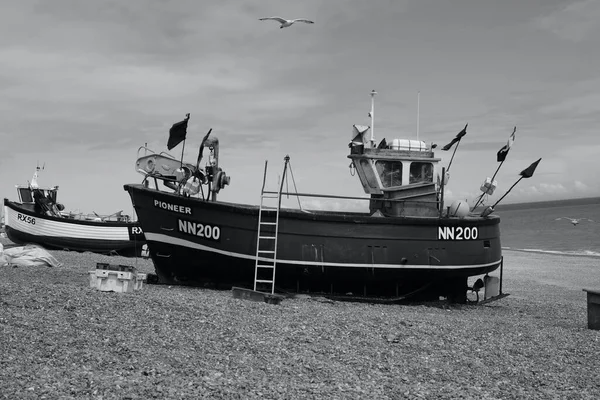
(457, 233)
(26, 218)
(136, 230)
(173, 207)
(206, 231)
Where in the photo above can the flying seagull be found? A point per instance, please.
(575, 221)
(287, 22)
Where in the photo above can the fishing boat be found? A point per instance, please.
(407, 245)
(38, 218)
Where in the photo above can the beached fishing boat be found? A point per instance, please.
(407, 243)
(37, 217)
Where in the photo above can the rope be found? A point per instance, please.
(295, 189)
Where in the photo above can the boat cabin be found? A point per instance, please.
(398, 175)
(27, 194)
(40, 200)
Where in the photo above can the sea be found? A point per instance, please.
(533, 227)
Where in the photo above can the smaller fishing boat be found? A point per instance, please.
(37, 217)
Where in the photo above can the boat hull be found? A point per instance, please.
(24, 226)
(195, 242)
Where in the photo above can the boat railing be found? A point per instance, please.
(147, 149)
(328, 196)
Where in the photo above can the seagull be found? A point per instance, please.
(287, 22)
(575, 221)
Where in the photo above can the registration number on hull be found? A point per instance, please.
(26, 218)
(198, 229)
(457, 233)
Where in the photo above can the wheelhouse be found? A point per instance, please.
(399, 176)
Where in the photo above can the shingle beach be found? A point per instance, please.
(62, 339)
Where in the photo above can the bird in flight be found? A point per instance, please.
(575, 221)
(287, 22)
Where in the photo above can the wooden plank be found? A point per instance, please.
(254, 295)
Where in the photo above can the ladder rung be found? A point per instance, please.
(268, 223)
(263, 281)
(265, 266)
(269, 196)
(267, 237)
(267, 251)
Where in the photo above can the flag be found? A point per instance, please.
(456, 139)
(528, 172)
(177, 132)
(202, 148)
(501, 156)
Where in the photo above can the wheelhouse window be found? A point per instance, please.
(421, 172)
(390, 173)
(368, 170)
(25, 195)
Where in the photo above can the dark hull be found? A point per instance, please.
(23, 226)
(329, 252)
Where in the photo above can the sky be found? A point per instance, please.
(84, 84)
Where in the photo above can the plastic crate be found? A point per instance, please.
(112, 281)
(116, 278)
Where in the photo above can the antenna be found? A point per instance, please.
(372, 115)
(418, 110)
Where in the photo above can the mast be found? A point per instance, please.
(372, 115)
(418, 109)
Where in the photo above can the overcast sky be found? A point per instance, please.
(85, 83)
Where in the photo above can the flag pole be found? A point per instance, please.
(456, 140)
(201, 150)
(497, 169)
(452, 158)
(372, 115)
(508, 191)
(482, 194)
(526, 173)
(182, 150)
(187, 118)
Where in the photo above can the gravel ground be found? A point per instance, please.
(61, 339)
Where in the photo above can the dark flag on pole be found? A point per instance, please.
(528, 172)
(503, 152)
(177, 132)
(201, 150)
(456, 139)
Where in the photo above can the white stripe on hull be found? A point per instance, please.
(159, 237)
(59, 229)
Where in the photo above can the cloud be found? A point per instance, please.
(554, 191)
(84, 83)
(575, 22)
(574, 106)
(581, 187)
